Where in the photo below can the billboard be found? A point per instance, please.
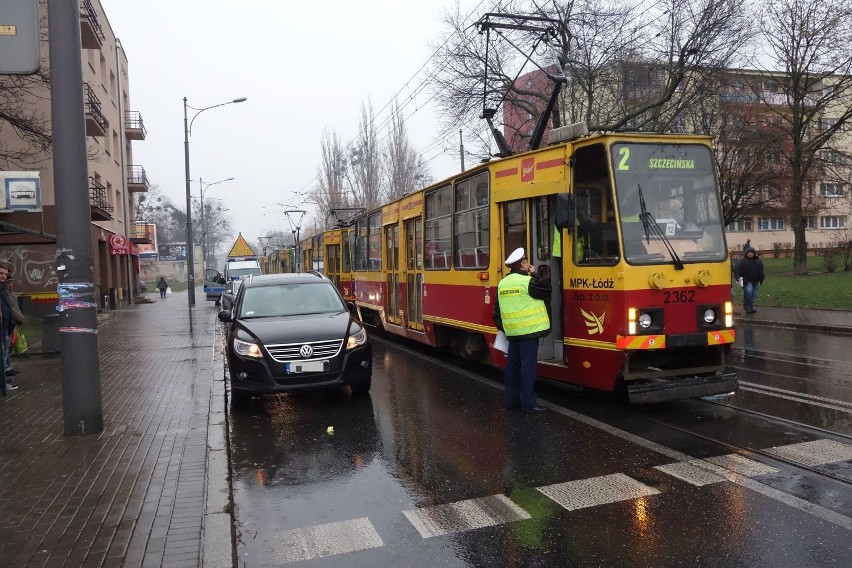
(172, 251)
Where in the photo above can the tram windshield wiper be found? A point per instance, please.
(650, 226)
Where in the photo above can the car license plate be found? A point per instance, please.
(305, 367)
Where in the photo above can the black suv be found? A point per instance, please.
(293, 332)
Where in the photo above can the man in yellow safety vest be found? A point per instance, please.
(521, 313)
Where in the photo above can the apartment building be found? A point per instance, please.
(27, 238)
(765, 218)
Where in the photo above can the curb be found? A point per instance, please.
(217, 544)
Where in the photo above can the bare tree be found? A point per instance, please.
(405, 167)
(626, 66)
(365, 161)
(330, 192)
(747, 164)
(216, 229)
(809, 41)
(25, 136)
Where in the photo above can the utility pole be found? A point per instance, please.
(78, 325)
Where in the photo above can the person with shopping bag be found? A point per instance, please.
(162, 285)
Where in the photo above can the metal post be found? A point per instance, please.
(78, 340)
(203, 232)
(190, 260)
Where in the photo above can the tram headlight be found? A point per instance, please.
(710, 316)
(645, 321)
(729, 314)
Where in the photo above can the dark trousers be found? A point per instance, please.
(520, 374)
(162, 292)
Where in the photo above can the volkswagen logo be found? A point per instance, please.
(306, 351)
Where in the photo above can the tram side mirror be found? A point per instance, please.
(566, 211)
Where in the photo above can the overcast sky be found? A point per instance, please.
(304, 67)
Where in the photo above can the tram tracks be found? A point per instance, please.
(739, 448)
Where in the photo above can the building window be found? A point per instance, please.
(770, 224)
(827, 123)
(832, 222)
(772, 192)
(831, 189)
(830, 156)
(741, 226)
(809, 222)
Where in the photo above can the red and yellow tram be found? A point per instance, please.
(627, 226)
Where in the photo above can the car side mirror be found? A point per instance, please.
(353, 309)
(225, 316)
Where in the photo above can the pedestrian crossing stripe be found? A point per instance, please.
(815, 452)
(465, 515)
(359, 534)
(319, 541)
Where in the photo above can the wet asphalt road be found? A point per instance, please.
(430, 470)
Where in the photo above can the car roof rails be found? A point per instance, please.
(318, 273)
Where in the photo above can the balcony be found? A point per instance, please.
(96, 122)
(101, 209)
(137, 179)
(91, 34)
(134, 128)
(139, 233)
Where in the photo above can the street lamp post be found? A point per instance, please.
(204, 187)
(190, 257)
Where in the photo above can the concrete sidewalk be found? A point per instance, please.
(828, 321)
(152, 488)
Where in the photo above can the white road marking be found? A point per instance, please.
(329, 539)
(465, 515)
(816, 452)
(594, 491)
(741, 465)
(690, 472)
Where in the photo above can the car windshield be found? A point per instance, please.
(290, 300)
(235, 273)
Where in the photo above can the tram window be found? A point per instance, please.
(346, 262)
(438, 229)
(472, 226)
(375, 242)
(514, 225)
(361, 244)
(543, 229)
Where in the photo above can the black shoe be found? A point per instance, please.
(11, 373)
(751, 311)
(537, 409)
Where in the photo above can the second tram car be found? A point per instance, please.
(627, 226)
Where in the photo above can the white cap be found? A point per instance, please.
(516, 256)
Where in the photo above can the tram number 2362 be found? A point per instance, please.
(679, 296)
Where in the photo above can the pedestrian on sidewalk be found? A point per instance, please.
(7, 326)
(750, 270)
(162, 285)
(521, 313)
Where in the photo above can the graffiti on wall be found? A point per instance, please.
(34, 266)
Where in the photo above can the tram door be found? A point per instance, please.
(414, 273)
(528, 223)
(332, 263)
(392, 277)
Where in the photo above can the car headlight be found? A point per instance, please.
(645, 321)
(247, 349)
(357, 336)
(709, 315)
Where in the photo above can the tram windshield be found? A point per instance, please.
(668, 203)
